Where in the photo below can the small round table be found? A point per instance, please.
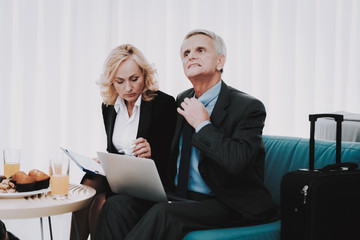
(43, 205)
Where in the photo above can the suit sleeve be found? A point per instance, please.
(234, 145)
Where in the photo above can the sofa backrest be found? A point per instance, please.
(285, 154)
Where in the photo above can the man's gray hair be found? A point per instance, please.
(218, 41)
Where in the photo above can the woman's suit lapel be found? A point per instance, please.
(145, 119)
(110, 129)
(144, 122)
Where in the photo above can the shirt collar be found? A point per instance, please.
(210, 94)
(120, 104)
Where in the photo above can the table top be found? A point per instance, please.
(43, 205)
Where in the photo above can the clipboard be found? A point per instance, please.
(86, 164)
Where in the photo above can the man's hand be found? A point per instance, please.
(193, 111)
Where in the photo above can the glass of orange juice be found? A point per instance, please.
(59, 173)
(12, 159)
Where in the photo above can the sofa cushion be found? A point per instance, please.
(280, 154)
(283, 154)
(269, 231)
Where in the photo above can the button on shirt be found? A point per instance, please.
(196, 183)
(125, 128)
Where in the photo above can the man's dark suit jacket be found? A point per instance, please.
(232, 151)
(156, 125)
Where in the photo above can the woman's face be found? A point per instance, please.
(129, 81)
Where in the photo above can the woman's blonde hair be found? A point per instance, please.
(115, 58)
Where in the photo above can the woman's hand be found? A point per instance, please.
(142, 148)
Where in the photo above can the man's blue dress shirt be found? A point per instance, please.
(196, 183)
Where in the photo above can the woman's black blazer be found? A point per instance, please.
(157, 124)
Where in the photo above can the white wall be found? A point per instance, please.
(297, 56)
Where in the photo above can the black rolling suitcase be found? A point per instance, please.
(321, 203)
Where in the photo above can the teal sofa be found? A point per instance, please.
(283, 154)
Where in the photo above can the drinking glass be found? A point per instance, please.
(12, 159)
(59, 173)
(127, 150)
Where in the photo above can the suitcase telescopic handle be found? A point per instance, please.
(312, 118)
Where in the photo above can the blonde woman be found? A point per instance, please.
(139, 120)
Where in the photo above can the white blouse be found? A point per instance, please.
(126, 128)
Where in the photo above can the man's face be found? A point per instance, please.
(199, 57)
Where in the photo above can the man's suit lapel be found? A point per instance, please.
(216, 118)
(179, 123)
(219, 112)
(180, 118)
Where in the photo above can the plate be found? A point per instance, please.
(24, 194)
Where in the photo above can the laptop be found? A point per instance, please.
(137, 177)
